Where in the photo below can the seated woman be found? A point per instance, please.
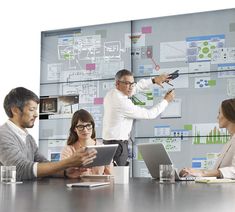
(82, 134)
(225, 164)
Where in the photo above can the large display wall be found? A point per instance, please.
(78, 67)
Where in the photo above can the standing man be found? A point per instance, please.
(18, 147)
(119, 111)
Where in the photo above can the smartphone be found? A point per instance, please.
(174, 75)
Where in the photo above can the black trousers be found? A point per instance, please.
(121, 155)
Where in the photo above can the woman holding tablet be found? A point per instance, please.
(82, 134)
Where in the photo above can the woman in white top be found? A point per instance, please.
(225, 164)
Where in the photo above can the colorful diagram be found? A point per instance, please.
(199, 163)
(202, 82)
(209, 133)
(170, 144)
(143, 99)
(207, 162)
(200, 48)
(135, 38)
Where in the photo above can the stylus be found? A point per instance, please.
(169, 83)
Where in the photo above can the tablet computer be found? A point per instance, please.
(104, 155)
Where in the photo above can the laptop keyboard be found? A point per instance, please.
(189, 178)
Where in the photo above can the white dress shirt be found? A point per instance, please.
(119, 112)
(22, 134)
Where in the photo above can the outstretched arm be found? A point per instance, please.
(145, 84)
(80, 158)
(159, 80)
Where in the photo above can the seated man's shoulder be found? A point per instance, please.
(5, 130)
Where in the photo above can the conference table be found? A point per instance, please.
(140, 195)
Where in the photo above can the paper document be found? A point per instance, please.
(214, 181)
(88, 184)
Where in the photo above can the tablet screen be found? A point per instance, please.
(104, 155)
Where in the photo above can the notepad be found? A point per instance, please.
(87, 184)
(13, 183)
(214, 181)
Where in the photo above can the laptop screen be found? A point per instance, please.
(153, 155)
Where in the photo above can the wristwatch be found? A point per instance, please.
(153, 80)
(65, 174)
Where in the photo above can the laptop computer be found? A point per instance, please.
(155, 154)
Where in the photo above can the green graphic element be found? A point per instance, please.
(136, 101)
(205, 50)
(214, 137)
(212, 82)
(188, 126)
(201, 55)
(139, 156)
(68, 56)
(147, 95)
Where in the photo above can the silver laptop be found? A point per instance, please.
(155, 154)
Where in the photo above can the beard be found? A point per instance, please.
(29, 124)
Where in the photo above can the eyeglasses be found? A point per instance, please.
(127, 83)
(82, 127)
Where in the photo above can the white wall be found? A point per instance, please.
(22, 21)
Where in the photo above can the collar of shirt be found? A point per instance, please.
(21, 133)
(121, 94)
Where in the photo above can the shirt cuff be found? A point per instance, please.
(149, 81)
(35, 169)
(227, 172)
(164, 103)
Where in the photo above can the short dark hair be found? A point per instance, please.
(121, 73)
(84, 116)
(18, 97)
(228, 109)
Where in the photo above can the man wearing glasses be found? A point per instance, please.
(119, 110)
